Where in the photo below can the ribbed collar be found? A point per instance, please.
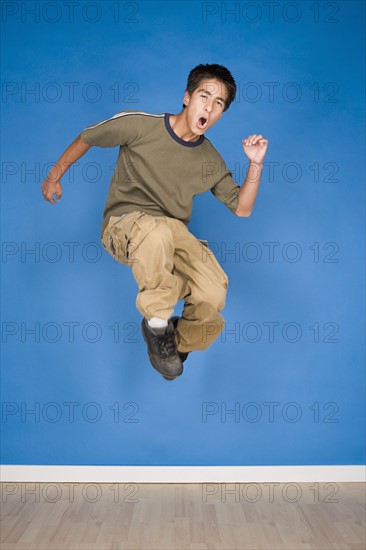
(177, 138)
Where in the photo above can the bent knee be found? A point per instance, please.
(213, 295)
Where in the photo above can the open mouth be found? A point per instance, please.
(202, 122)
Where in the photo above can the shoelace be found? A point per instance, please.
(166, 342)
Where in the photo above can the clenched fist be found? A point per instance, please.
(51, 188)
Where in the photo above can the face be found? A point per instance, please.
(205, 106)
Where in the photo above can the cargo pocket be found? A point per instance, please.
(124, 237)
(139, 229)
(116, 237)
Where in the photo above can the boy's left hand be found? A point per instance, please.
(255, 147)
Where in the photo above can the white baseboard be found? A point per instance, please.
(181, 474)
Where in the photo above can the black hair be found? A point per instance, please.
(207, 71)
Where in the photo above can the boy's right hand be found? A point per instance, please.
(50, 188)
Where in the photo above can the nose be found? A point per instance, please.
(208, 107)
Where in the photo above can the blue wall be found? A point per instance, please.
(290, 362)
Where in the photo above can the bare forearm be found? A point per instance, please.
(249, 189)
(75, 150)
(51, 185)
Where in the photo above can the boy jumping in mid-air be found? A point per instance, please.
(164, 160)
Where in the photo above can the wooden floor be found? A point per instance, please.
(184, 516)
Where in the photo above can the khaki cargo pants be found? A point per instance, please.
(170, 264)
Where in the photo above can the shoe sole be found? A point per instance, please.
(166, 376)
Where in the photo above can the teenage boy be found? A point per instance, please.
(165, 160)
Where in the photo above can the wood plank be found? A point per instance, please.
(177, 516)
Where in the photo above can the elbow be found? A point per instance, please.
(243, 213)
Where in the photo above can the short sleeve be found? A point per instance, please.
(120, 129)
(227, 191)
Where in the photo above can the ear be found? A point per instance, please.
(186, 98)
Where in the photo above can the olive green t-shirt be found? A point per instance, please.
(157, 171)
